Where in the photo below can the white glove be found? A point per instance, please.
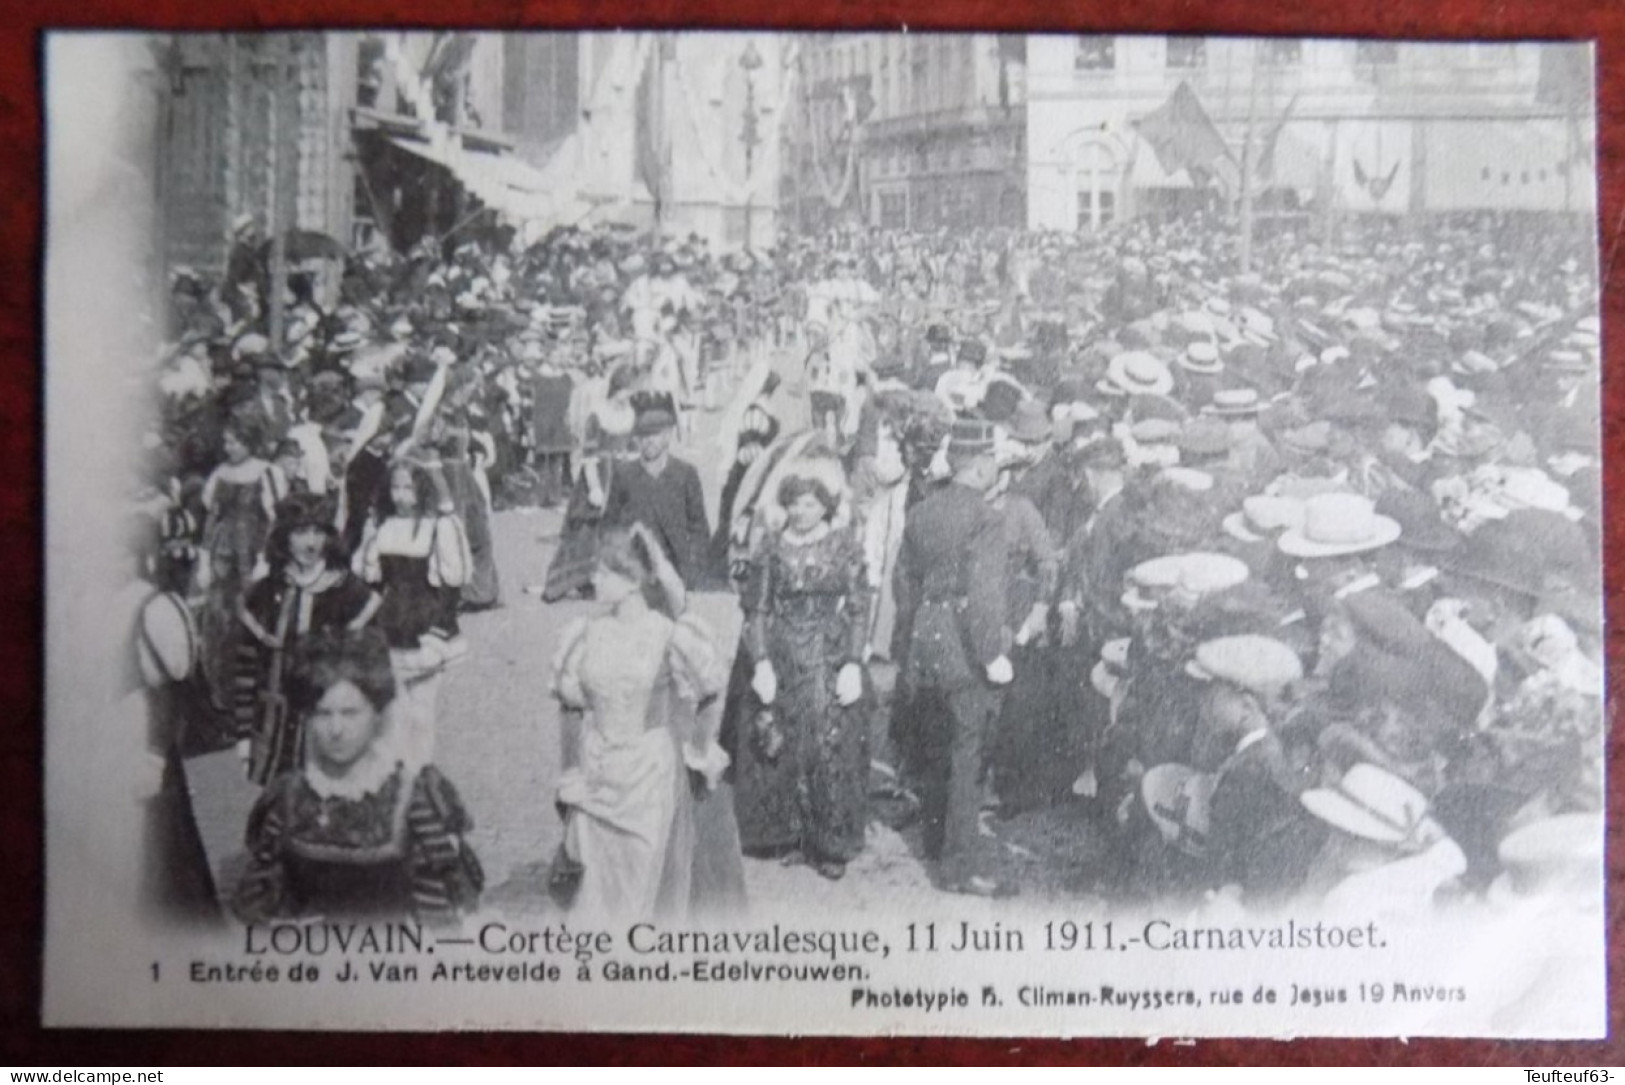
(999, 672)
(1069, 624)
(765, 682)
(1034, 627)
(849, 685)
(710, 762)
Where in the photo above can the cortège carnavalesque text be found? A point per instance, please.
(1270, 964)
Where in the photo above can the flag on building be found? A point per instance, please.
(1181, 134)
(651, 149)
(1265, 170)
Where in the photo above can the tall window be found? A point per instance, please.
(1281, 52)
(893, 210)
(1095, 53)
(1096, 209)
(1097, 183)
(1185, 53)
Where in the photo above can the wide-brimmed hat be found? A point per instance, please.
(1261, 515)
(1202, 356)
(1254, 320)
(1562, 854)
(1179, 801)
(1235, 402)
(1253, 662)
(1195, 573)
(1532, 488)
(1137, 371)
(1373, 804)
(1335, 524)
(1155, 431)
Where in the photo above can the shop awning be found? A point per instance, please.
(502, 182)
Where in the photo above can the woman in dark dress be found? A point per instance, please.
(309, 589)
(801, 781)
(419, 560)
(550, 430)
(361, 829)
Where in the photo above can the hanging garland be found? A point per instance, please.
(837, 197)
(733, 191)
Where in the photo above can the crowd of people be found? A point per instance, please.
(1288, 577)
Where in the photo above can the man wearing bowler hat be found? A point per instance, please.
(660, 491)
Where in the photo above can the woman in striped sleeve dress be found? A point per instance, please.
(360, 830)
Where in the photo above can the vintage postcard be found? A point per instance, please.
(823, 533)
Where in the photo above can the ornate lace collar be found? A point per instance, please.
(363, 779)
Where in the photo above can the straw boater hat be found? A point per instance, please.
(1256, 663)
(1235, 402)
(1373, 804)
(1336, 524)
(1204, 436)
(1194, 574)
(1139, 372)
(1261, 515)
(1202, 356)
(1555, 855)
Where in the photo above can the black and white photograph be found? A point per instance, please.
(863, 533)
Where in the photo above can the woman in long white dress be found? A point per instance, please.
(648, 827)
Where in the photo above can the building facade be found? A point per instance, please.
(251, 125)
(672, 132)
(1337, 127)
(917, 131)
(364, 138)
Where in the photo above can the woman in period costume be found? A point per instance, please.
(234, 529)
(418, 559)
(309, 589)
(802, 780)
(606, 428)
(648, 826)
(471, 502)
(362, 830)
(550, 437)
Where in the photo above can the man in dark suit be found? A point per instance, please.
(662, 492)
(950, 587)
